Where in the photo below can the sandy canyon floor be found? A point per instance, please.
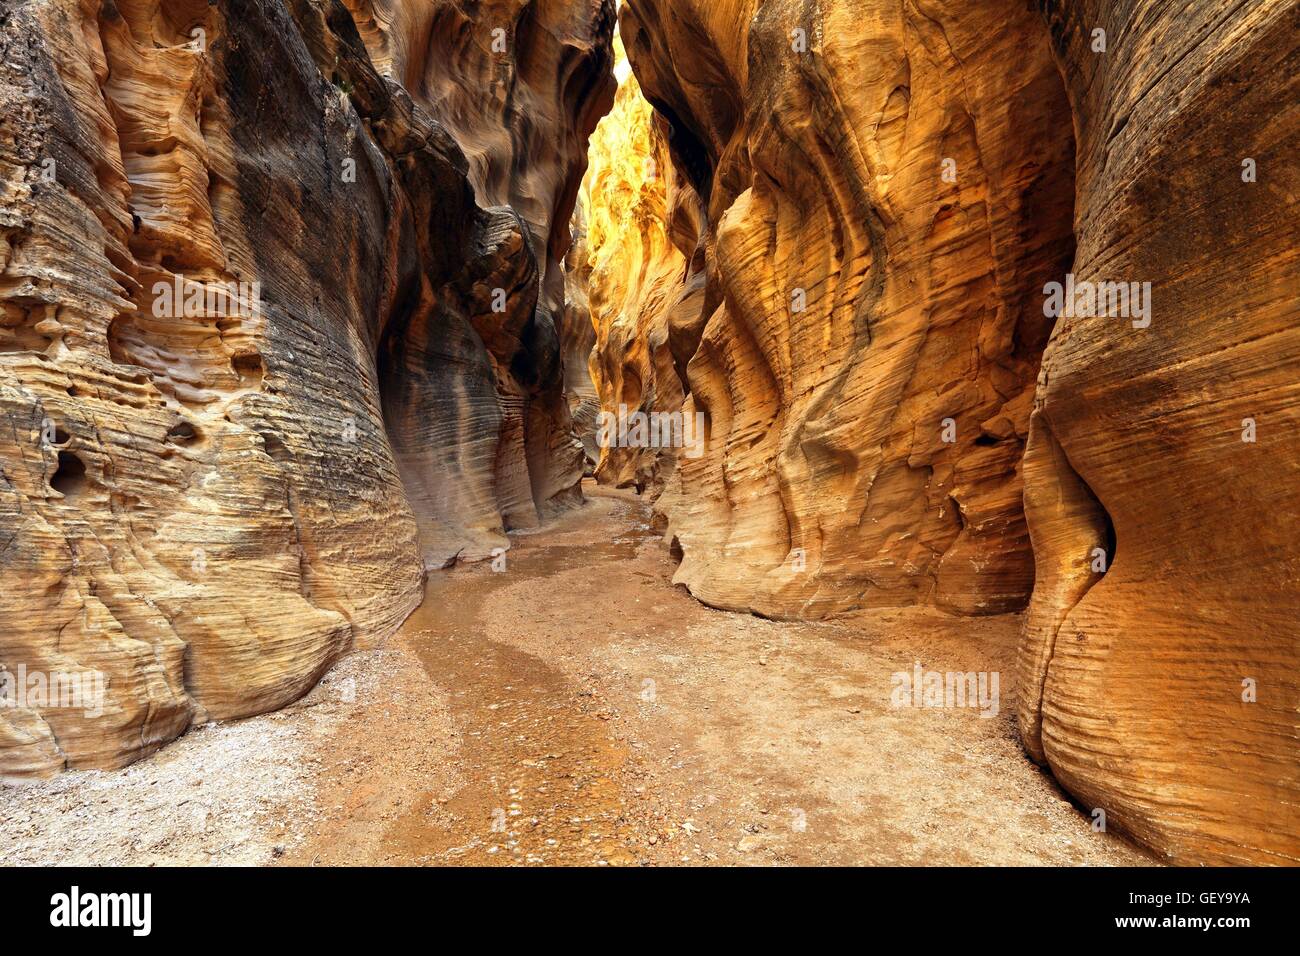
(576, 708)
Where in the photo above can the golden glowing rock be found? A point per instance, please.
(637, 276)
(204, 508)
(1165, 690)
(885, 192)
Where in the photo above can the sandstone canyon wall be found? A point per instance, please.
(578, 338)
(884, 188)
(205, 506)
(643, 226)
(823, 226)
(520, 85)
(1166, 691)
(884, 193)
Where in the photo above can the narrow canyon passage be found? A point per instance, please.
(576, 708)
(649, 431)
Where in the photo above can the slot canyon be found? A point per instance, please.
(561, 431)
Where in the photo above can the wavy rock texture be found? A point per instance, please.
(827, 483)
(854, 297)
(644, 226)
(578, 338)
(520, 84)
(1137, 442)
(207, 509)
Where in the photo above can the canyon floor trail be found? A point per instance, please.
(577, 708)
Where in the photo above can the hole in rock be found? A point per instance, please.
(70, 476)
(248, 366)
(1108, 532)
(183, 433)
(275, 446)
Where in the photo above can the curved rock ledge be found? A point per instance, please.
(885, 193)
(203, 509)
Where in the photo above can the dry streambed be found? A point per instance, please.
(577, 708)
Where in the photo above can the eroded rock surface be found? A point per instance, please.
(886, 191)
(520, 84)
(824, 227)
(885, 188)
(1170, 683)
(204, 507)
(643, 227)
(578, 338)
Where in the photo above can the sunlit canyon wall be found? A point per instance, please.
(867, 206)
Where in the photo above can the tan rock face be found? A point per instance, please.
(294, 304)
(1170, 683)
(204, 501)
(643, 226)
(520, 86)
(887, 191)
(578, 338)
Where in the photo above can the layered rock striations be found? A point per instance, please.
(885, 189)
(642, 231)
(888, 193)
(578, 338)
(255, 373)
(520, 84)
(297, 299)
(1164, 691)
